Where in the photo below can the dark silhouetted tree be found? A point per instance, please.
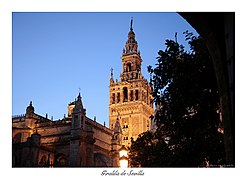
(189, 132)
(149, 151)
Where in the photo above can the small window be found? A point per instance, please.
(128, 67)
(113, 98)
(61, 161)
(125, 125)
(125, 92)
(118, 97)
(131, 95)
(136, 95)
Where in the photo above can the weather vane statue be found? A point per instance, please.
(131, 23)
(111, 72)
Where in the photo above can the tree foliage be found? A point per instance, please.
(148, 151)
(188, 113)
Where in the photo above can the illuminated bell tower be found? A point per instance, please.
(130, 98)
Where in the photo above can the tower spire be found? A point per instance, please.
(131, 23)
(111, 77)
(131, 44)
(111, 72)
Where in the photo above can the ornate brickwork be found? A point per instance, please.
(130, 98)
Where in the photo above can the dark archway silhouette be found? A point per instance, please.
(218, 29)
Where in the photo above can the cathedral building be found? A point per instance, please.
(131, 97)
(75, 140)
(78, 141)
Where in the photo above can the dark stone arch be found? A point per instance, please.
(218, 29)
(61, 160)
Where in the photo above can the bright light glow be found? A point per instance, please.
(123, 153)
(124, 163)
(123, 157)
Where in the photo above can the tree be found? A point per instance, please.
(188, 119)
(149, 151)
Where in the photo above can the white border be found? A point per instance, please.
(6, 9)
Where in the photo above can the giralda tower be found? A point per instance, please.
(130, 98)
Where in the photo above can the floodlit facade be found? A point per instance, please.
(78, 141)
(130, 98)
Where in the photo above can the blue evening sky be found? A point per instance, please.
(55, 54)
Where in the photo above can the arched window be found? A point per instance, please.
(125, 93)
(113, 98)
(118, 97)
(131, 95)
(125, 127)
(61, 160)
(129, 67)
(136, 95)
